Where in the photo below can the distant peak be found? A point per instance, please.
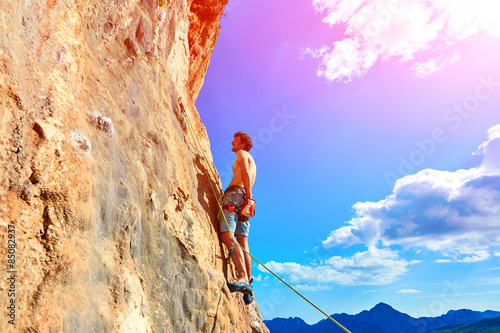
(459, 311)
(382, 305)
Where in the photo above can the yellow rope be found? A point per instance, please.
(198, 148)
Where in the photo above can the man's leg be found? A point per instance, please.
(236, 256)
(243, 241)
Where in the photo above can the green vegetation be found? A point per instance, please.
(490, 325)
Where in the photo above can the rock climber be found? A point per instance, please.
(237, 197)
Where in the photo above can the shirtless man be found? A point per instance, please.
(240, 188)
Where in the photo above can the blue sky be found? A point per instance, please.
(375, 137)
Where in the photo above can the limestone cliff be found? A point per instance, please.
(101, 184)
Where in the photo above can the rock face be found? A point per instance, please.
(104, 204)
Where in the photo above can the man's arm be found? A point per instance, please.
(245, 172)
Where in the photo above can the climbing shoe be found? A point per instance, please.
(248, 298)
(241, 286)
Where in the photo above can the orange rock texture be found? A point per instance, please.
(107, 219)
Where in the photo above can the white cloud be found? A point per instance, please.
(491, 148)
(456, 213)
(478, 256)
(308, 287)
(443, 260)
(345, 60)
(370, 291)
(454, 59)
(425, 69)
(409, 291)
(383, 29)
(492, 269)
(372, 267)
(497, 254)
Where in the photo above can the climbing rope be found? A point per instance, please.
(204, 159)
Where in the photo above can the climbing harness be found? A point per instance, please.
(247, 208)
(198, 148)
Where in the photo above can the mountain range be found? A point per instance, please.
(382, 318)
(488, 325)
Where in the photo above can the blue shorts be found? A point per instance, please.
(235, 198)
